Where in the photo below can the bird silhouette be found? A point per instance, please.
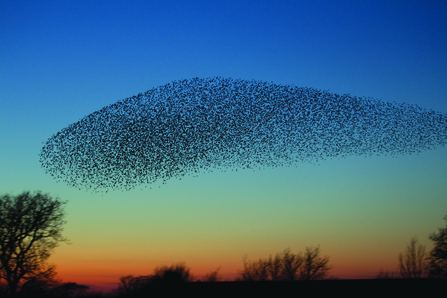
(199, 125)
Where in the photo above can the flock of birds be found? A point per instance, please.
(191, 126)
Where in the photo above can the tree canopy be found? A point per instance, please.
(437, 259)
(31, 227)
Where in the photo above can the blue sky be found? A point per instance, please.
(62, 60)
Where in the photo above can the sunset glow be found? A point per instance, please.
(62, 61)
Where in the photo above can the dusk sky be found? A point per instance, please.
(62, 60)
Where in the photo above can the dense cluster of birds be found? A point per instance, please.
(198, 125)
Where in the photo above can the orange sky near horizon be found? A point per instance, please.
(64, 60)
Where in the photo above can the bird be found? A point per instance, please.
(197, 125)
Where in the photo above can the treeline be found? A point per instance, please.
(49, 288)
(31, 227)
(416, 262)
(284, 266)
(287, 266)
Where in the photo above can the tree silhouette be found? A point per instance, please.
(275, 266)
(437, 259)
(412, 263)
(287, 266)
(147, 285)
(42, 284)
(314, 266)
(30, 228)
(212, 276)
(255, 270)
(70, 289)
(176, 273)
(130, 285)
(290, 265)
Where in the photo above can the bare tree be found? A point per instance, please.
(42, 284)
(314, 266)
(291, 264)
(437, 259)
(275, 265)
(287, 266)
(412, 263)
(255, 270)
(130, 285)
(212, 276)
(125, 287)
(30, 228)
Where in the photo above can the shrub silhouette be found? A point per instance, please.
(163, 276)
(177, 273)
(212, 276)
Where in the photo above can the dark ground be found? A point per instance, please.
(318, 288)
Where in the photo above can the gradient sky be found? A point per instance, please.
(62, 60)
